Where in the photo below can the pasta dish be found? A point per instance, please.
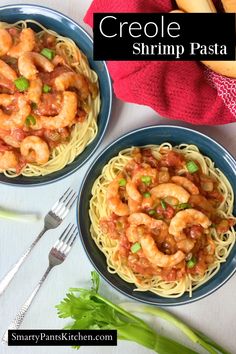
(49, 100)
(162, 216)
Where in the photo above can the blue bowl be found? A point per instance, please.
(65, 26)
(144, 136)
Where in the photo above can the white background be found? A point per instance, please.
(214, 315)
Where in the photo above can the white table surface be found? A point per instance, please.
(214, 315)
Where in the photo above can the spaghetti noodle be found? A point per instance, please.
(81, 131)
(211, 245)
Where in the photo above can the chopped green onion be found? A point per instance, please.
(192, 262)
(163, 204)
(48, 53)
(34, 105)
(152, 212)
(135, 247)
(147, 195)
(21, 84)
(183, 206)
(146, 179)
(191, 166)
(30, 120)
(122, 182)
(47, 88)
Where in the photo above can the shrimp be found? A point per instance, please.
(15, 119)
(133, 192)
(65, 117)
(113, 199)
(35, 90)
(140, 172)
(144, 219)
(170, 190)
(186, 218)
(28, 62)
(132, 186)
(155, 256)
(186, 184)
(7, 71)
(132, 234)
(26, 43)
(71, 79)
(5, 41)
(8, 160)
(34, 149)
(185, 245)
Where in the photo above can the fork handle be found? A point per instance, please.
(14, 269)
(15, 324)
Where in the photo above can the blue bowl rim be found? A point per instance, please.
(188, 301)
(56, 179)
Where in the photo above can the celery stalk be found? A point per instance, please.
(193, 335)
(17, 216)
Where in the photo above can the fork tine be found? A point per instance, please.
(67, 241)
(69, 205)
(63, 236)
(71, 241)
(62, 199)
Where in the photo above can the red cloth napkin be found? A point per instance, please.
(174, 89)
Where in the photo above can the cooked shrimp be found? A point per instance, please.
(5, 42)
(64, 119)
(71, 79)
(26, 43)
(134, 207)
(186, 218)
(28, 63)
(132, 233)
(15, 119)
(155, 256)
(170, 190)
(7, 71)
(34, 149)
(113, 199)
(148, 171)
(186, 184)
(35, 90)
(144, 219)
(8, 160)
(185, 245)
(133, 192)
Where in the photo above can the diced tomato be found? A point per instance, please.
(18, 134)
(225, 225)
(50, 104)
(195, 231)
(172, 159)
(215, 194)
(124, 246)
(167, 212)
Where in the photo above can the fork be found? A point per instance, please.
(57, 255)
(52, 220)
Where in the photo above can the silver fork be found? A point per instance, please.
(52, 220)
(57, 255)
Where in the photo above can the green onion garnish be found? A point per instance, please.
(135, 247)
(47, 88)
(48, 53)
(163, 204)
(191, 167)
(21, 84)
(30, 120)
(147, 195)
(183, 206)
(192, 262)
(122, 182)
(146, 179)
(152, 212)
